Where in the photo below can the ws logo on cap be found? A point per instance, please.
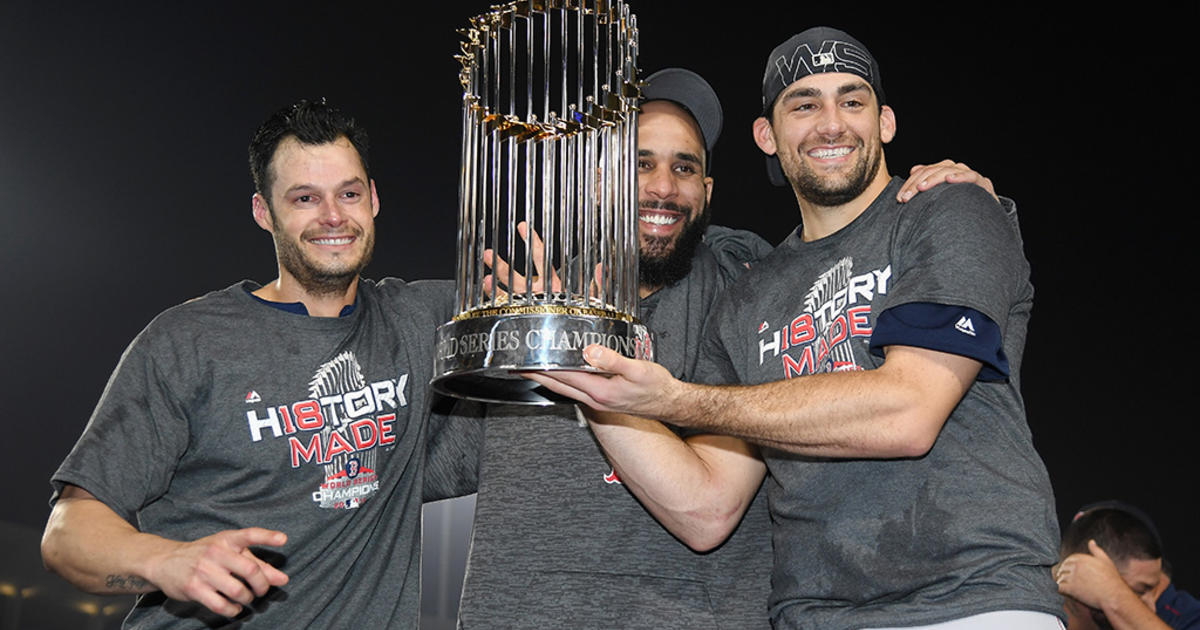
(831, 56)
(817, 50)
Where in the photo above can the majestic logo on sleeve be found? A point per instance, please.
(340, 427)
(836, 311)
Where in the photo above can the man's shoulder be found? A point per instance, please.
(755, 282)
(219, 304)
(735, 249)
(957, 202)
(390, 288)
(1178, 608)
(422, 302)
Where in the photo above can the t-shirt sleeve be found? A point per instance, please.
(1010, 212)
(432, 297)
(951, 329)
(453, 448)
(714, 365)
(958, 249)
(455, 432)
(130, 447)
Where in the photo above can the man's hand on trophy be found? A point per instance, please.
(496, 284)
(624, 385)
(501, 269)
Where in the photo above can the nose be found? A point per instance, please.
(658, 183)
(830, 125)
(332, 213)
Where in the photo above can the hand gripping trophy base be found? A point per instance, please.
(481, 357)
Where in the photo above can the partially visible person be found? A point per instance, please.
(259, 456)
(1114, 574)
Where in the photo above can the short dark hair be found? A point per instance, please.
(310, 122)
(1123, 535)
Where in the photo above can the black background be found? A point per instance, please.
(123, 137)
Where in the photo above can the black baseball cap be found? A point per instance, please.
(816, 50)
(691, 92)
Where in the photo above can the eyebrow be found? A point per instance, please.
(679, 155)
(807, 92)
(1144, 586)
(301, 187)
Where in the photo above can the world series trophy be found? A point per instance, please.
(547, 226)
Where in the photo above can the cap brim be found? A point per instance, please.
(775, 171)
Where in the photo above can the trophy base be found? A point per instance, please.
(480, 358)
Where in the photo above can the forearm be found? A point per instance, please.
(896, 410)
(873, 413)
(1093, 580)
(697, 488)
(93, 548)
(1125, 611)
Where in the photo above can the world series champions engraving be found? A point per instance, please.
(547, 225)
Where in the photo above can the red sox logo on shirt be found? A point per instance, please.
(836, 310)
(340, 427)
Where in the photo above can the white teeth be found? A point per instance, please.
(830, 153)
(659, 219)
(333, 241)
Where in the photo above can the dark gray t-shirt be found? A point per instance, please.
(560, 543)
(968, 528)
(227, 413)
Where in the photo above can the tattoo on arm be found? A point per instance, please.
(128, 583)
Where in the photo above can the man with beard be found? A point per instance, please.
(557, 541)
(869, 364)
(258, 457)
(550, 516)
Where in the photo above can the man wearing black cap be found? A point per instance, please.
(550, 515)
(878, 350)
(1115, 576)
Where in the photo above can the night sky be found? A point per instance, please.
(123, 136)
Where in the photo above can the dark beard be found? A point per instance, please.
(316, 281)
(814, 189)
(659, 264)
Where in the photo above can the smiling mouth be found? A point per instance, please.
(659, 218)
(332, 240)
(830, 153)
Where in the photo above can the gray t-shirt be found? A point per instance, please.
(227, 413)
(969, 527)
(560, 543)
